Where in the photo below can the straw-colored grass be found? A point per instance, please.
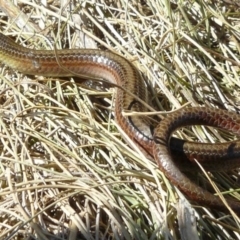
(68, 171)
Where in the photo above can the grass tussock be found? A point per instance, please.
(66, 169)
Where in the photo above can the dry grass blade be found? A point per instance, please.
(66, 170)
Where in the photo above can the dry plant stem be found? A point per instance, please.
(119, 71)
(21, 19)
(23, 212)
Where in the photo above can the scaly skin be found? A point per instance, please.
(116, 69)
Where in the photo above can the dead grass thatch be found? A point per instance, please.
(66, 172)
